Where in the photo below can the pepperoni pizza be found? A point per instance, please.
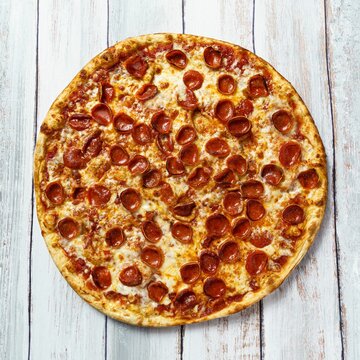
(178, 179)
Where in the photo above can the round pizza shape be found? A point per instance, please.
(178, 179)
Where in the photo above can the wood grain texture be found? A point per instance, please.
(301, 319)
(237, 336)
(17, 109)
(343, 30)
(63, 325)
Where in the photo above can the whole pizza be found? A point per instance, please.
(178, 179)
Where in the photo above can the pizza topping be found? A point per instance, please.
(138, 164)
(182, 232)
(190, 102)
(161, 123)
(74, 159)
(185, 135)
(101, 277)
(217, 225)
(212, 57)
(309, 179)
(102, 114)
(190, 272)
(136, 66)
(130, 199)
(151, 231)
(165, 143)
(257, 86)
(224, 110)
(146, 92)
(93, 145)
(115, 237)
(229, 252)
(239, 126)
(131, 276)
(252, 189)
(272, 174)
(177, 58)
(123, 123)
(241, 228)
(55, 193)
(151, 178)
(199, 177)
(217, 147)
(290, 153)
(256, 262)
(193, 80)
(142, 134)
(118, 155)
(189, 154)
(79, 122)
(237, 163)
(174, 166)
(185, 299)
(184, 210)
(99, 195)
(68, 228)
(157, 291)
(226, 84)
(233, 204)
(214, 287)
(261, 240)
(255, 210)
(152, 256)
(282, 121)
(209, 262)
(245, 108)
(225, 177)
(293, 215)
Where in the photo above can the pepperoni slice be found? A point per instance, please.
(199, 177)
(118, 155)
(131, 276)
(136, 66)
(309, 179)
(138, 165)
(107, 93)
(256, 262)
(99, 195)
(152, 256)
(123, 123)
(193, 80)
(151, 178)
(102, 114)
(177, 58)
(184, 210)
(151, 231)
(190, 272)
(161, 123)
(185, 299)
(261, 240)
(165, 143)
(212, 57)
(130, 199)
(93, 145)
(167, 194)
(189, 154)
(257, 86)
(241, 228)
(237, 163)
(282, 121)
(190, 102)
(115, 237)
(209, 262)
(255, 210)
(55, 193)
(142, 134)
(233, 204)
(290, 153)
(225, 177)
(217, 147)
(182, 232)
(224, 110)
(214, 288)
(217, 225)
(272, 174)
(68, 228)
(157, 291)
(245, 108)
(229, 252)
(293, 215)
(185, 135)
(79, 122)
(252, 189)
(226, 84)
(239, 126)
(174, 166)
(74, 159)
(101, 277)
(146, 92)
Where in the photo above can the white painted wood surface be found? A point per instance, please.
(315, 44)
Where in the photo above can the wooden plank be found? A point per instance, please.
(63, 325)
(238, 336)
(301, 319)
(343, 30)
(131, 19)
(17, 93)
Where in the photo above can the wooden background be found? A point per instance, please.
(314, 44)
